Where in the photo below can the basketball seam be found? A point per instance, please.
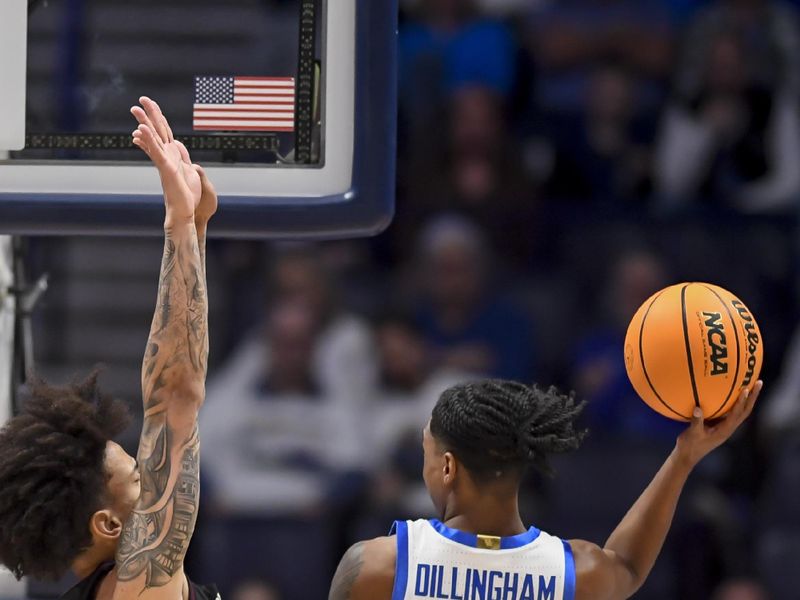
(738, 351)
(641, 357)
(688, 346)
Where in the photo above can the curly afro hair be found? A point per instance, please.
(497, 426)
(52, 475)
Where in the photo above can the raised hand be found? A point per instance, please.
(179, 178)
(156, 536)
(208, 200)
(701, 438)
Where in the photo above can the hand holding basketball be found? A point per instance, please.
(701, 438)
(179, 178)
(693, 345)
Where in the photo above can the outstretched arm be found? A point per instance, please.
(616, 571)
(156, 536)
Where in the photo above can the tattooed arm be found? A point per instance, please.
(366, 571)
(156, 536)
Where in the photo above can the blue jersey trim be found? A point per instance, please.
(569, 572)
(471, 540)
(400, 528)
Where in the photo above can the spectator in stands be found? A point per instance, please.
(598, 370)
(279, 437)
(766, 30)
(288, 462)
(570, 37)
(464, 318)
(410, 385)
(445, 45)
(475, 170)
(286, 411)
(732, 131)
(343, 363)
(602, 156)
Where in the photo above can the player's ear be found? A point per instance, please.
(449, 468)
(105, 526)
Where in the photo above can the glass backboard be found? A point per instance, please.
(289, 104)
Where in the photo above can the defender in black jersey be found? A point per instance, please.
(72, 499)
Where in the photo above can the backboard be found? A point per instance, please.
(289, 104)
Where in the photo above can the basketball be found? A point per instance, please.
(693, 344)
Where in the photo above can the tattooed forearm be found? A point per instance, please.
(347, 573)
(177, 351)
(156, 536)
(201, 243)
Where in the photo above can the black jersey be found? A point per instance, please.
(87, 588)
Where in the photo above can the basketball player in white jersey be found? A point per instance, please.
(477, 444)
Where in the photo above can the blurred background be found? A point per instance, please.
(559, 161)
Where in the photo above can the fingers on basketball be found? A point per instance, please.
(739, 413)
(753, 398)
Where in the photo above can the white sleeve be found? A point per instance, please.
(347, 370)
(781, 186)
(682, 157)
(239, 483)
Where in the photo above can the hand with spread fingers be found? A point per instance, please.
(701, 437)
(181, 180)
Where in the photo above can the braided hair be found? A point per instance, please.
(52, 475)
(496, 426)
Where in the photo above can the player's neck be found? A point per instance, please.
(84, 566)
(88, 561)
(487, 515)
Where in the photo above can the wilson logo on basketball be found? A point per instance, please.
(753, 339)
(717, 342)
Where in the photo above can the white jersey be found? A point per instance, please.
(435, 561)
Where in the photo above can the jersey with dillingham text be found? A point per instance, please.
(435, 561)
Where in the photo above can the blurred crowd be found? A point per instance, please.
(559, 162)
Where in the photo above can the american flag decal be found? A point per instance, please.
(244, 103)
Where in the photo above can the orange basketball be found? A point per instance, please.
(693, 344)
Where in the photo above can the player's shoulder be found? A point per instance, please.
(380, 554)
(592, 572)
(366, 571)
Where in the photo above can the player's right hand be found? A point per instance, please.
(179, 178)
(701, 437)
